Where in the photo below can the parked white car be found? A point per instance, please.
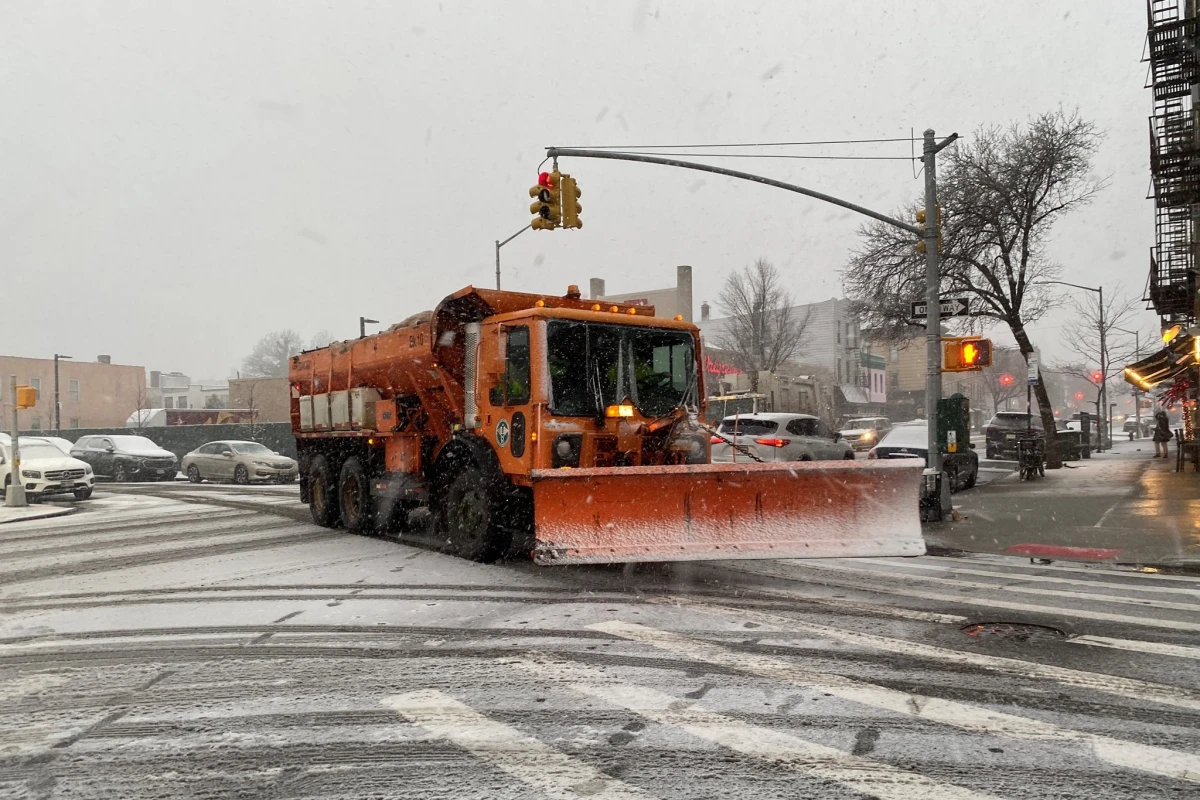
(777, 437)
(46, 470)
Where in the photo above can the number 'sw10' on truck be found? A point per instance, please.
(566, 429)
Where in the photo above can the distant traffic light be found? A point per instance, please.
(938, 222)
(1097, 376)
(547, 208)
(1006, 380)
(966, 355)
(571, 209)
(1078, 396)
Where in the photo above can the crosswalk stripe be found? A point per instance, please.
(1132, 688)
(976, 719)
(1021, 576)
(1100, 598)
(1059, 567)
(506, 748)
(969, 600)
(872, 778)
(1155, 648)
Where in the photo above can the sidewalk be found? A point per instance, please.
(27, 513)
(1122, 506)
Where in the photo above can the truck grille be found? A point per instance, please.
(64, 474)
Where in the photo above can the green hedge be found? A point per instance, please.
(181, 439)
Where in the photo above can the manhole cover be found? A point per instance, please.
(1015, 631)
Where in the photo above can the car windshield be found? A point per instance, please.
(748, 426)
(594, 366)
(251, 449)
(133, 443)
(1012, 422)
(907, 436)
(863, 424)
(32, 450)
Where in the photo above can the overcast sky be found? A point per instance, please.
(179, 178)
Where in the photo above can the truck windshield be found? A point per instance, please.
(593, 366)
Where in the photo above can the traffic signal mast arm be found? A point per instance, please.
(557, 152)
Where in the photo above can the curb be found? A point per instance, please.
(43, 514)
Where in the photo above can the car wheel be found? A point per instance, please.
(354, 497)
(805, 457)
(83, 494)
(193, 473)
(322, 493)
(972, 478)
(469, 513)
(120, 472)
(849, 456)
(241, 475)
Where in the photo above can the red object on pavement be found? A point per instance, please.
(1062, 551)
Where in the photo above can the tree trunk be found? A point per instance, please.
(1053, 457)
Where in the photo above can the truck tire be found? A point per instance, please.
(322, 497)
(469, 512)
(354, 497)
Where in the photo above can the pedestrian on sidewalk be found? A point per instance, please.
(1162, 433)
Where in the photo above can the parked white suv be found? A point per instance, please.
(863, 433)
(45, 470)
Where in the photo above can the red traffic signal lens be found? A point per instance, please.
(544, 179)
(1079, 395)
(1097, 376)
(1006, 380)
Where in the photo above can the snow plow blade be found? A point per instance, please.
(830, 509)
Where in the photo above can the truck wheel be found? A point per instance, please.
(354, 497)
(322, 493)
(469, 514)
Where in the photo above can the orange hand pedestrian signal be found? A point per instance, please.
(966, 354)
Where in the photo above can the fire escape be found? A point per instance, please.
(1174, 35)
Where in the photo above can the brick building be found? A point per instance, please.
(93, 394)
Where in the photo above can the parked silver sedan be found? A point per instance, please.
(778, 437)
(240, 462)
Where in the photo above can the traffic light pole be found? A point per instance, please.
(500, 244)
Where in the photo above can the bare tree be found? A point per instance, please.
(1084, 336)
(213, 401)
(141, 411)
(321, 338)
(763, 329)
(269, 358)
(1000, 191)
(1006, 377)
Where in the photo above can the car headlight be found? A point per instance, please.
(30, 473)
(87, 469)
(261, 463)
(869, 435)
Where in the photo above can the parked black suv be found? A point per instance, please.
(126, 458)
(1002, 431)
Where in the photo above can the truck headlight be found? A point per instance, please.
(567, 449)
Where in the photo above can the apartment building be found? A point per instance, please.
(92, 394)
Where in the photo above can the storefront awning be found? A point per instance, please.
(1167, 364)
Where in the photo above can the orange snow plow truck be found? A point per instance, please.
(566, 429)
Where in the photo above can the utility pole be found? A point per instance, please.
(14, 496)
(57, 404)
(1107, 420)
(1137, 396)
(362, 326)
(500, 244)
(933, 318)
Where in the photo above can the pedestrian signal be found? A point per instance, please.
(966, 355)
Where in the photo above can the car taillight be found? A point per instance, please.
(773, 442)
(872, 454)
(990, 429)
(715, 440)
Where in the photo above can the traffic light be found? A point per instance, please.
(570, 203)
(1078, 396)
(921, 222)
(966, 355)
(1006, 380)
(1097, 376)
(547, 208)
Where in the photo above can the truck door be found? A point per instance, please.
(511, 400)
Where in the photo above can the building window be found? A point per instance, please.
(839, 370)
(894, 353)
(36, 383)
(182, 403)
(168, 402)
(837, 331)
(74, 423)
(35, 424)
(73, 390)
